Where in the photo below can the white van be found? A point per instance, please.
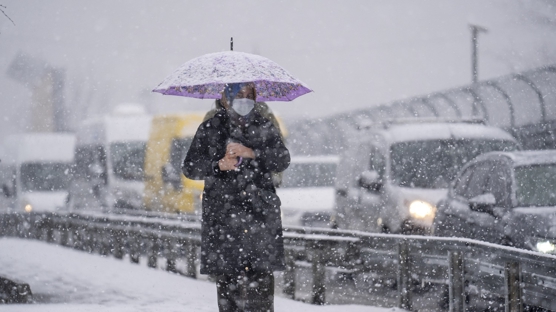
(36, 171)
(392, 175)
(109, 160)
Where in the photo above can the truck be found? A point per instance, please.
(109, 160)
(167, 189)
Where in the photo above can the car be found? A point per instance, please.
(505, 198)
(307, 191)
(392, 174)
(35, 173)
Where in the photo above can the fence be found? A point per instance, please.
(476, 274)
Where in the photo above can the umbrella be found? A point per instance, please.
(204, 77)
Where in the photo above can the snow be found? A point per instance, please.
(37, 147)
(63, 279)
(528, 158)
(308, 199)
(117, 128)
(315, 159)
(438, 131)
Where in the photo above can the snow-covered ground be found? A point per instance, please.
(63, 279)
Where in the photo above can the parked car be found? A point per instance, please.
(392, 175)
(307, 191)
(505, 198)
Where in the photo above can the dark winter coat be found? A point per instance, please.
(240, 229)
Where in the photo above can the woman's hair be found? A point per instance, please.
(232, 89)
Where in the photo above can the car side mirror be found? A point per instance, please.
(7, 190)
(483, 203)
(370, 179)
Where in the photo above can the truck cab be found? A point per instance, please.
(109, 160)
(166, 188)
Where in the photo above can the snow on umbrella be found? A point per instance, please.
(204, 77)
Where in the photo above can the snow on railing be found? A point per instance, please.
(471, 273)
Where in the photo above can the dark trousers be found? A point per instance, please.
(246, 292)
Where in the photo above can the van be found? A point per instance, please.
(166, 188)
(109, 159)
(36, 171)
(392, 174)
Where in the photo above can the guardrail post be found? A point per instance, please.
(317, 262)
(191, 254)
(49, 229)
(512, 278)
(153, 253)
(456, 281)
(289, 274)
(404, 276)
(64, 228)
(118, 244)
(171, 246)
(134, 247)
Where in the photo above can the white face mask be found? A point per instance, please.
(243, 106)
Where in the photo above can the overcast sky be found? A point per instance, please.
(353, 54)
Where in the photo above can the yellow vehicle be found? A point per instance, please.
(166, 188)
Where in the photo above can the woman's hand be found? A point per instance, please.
(228, 163)
(239, 150)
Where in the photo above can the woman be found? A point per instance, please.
(235, 152)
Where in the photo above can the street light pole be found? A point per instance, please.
(475, 30)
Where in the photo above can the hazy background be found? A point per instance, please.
(353, 54)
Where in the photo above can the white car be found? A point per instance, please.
(307, 192)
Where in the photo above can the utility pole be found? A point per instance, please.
(475, 30)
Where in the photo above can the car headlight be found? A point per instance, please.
(420, 209)
(541, 245)
(545, 246)
(28, 208)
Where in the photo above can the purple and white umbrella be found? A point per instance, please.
(204, 77)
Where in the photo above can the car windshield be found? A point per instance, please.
(128, 159)
(45, 176)
(309, 175)
(433, 164)
(536, 185)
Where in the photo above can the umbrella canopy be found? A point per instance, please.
(204, 77)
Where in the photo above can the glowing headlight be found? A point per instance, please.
(545, 247)
(28, 208)
(420, 209)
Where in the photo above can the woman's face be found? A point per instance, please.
(245, 92)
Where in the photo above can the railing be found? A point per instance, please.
(474, 273)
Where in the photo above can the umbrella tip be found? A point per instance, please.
(231, 43)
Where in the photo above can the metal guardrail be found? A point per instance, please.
(475, 272)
